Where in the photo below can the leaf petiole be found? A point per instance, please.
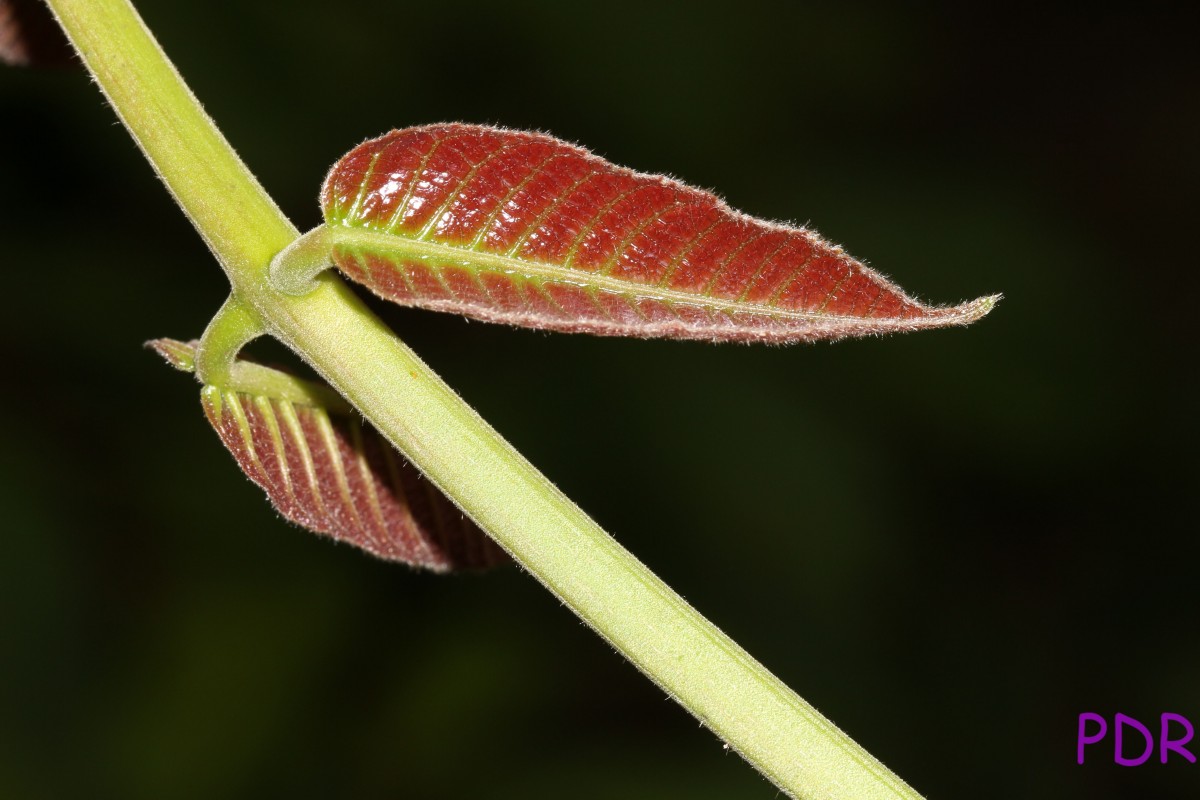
(295, 269)
(216, 361)
(231, 329)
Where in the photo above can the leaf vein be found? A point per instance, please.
(404, 248)
(761, 266)
(594, 220)
(361, 197)
(687, 249)
(517, 188)
(725, 262)
(329, 443)
(459, 191)
(550, 209)
(611, 264)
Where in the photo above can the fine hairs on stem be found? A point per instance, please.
(326, 324)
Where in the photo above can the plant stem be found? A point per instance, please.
(717, 681)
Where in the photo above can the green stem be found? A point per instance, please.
(717, 681)
(229, 331)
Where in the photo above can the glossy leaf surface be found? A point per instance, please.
(326, 470)
(525, 229)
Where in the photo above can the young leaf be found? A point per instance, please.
(326, 470)
(525, 229)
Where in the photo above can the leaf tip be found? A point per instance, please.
(963, 313)
(978, 309)
(180, 355)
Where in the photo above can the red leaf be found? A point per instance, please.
(525, 229)
(326, 470)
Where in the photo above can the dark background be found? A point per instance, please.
(952, 543)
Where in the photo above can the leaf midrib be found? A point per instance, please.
(399, 246)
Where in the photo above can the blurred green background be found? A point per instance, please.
(951, 543)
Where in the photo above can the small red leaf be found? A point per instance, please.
(525, 229)
(326, 470)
